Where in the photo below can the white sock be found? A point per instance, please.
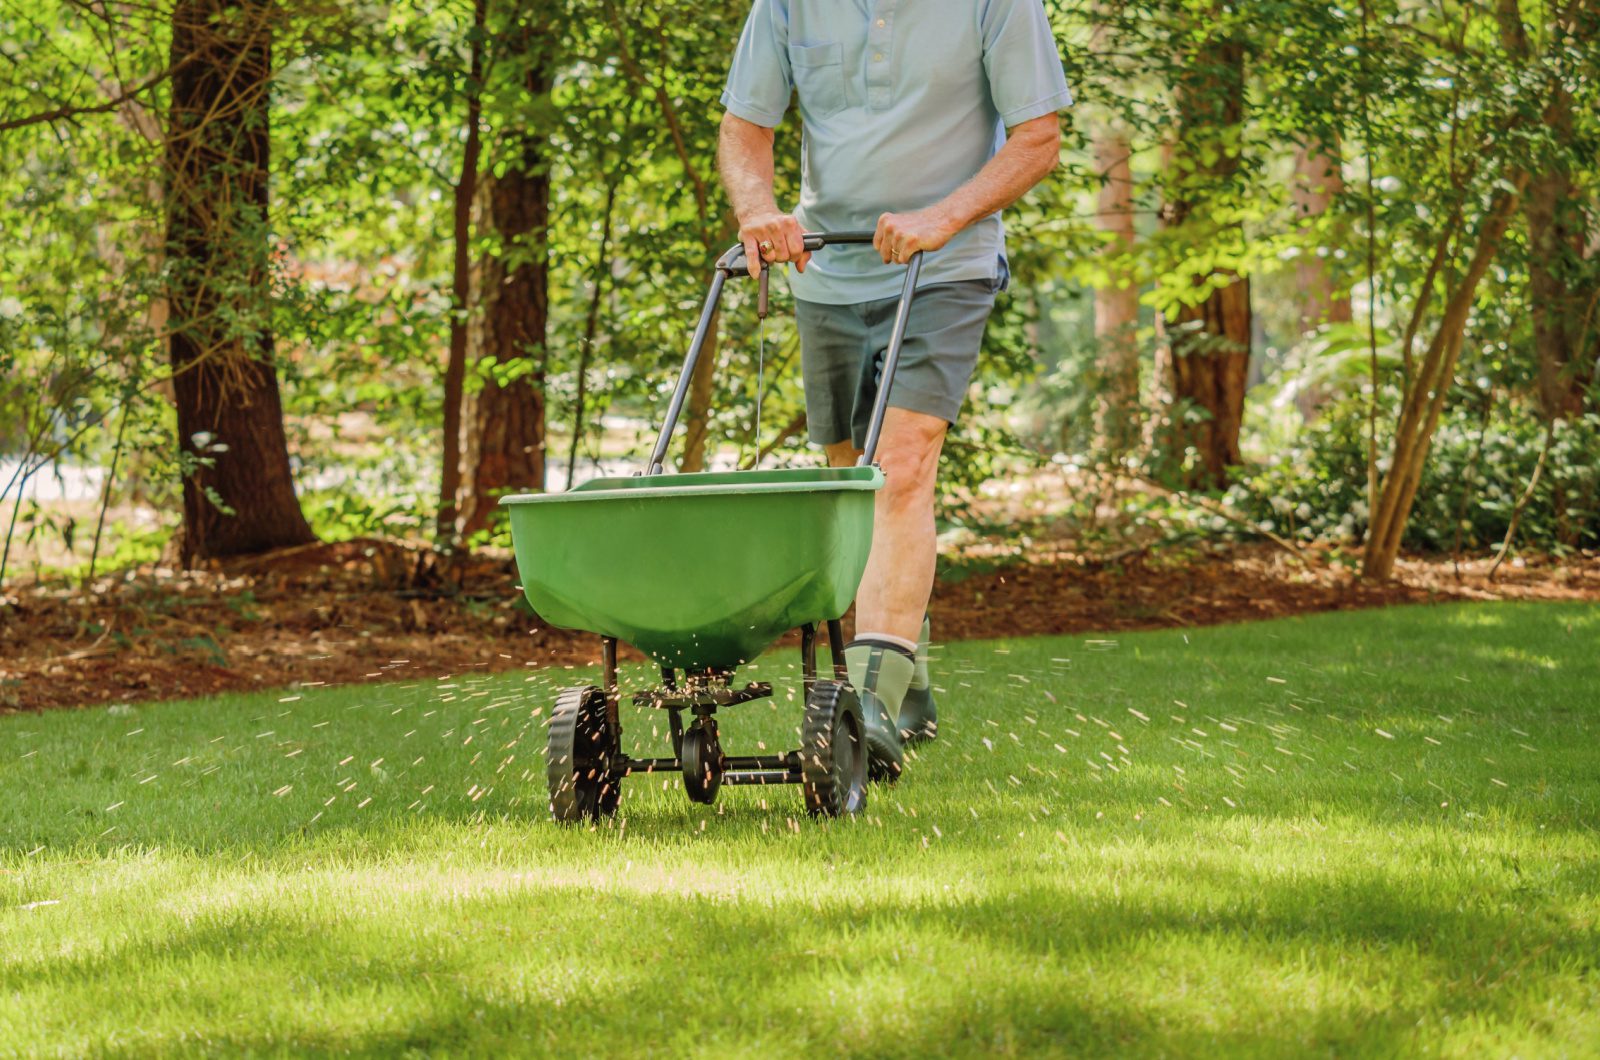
(909, 646)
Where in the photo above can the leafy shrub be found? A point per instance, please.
(1478, 467)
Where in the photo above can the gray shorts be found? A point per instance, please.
(842, 348)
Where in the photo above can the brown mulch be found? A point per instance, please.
(371, 610)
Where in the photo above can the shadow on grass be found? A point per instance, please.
(509, 961)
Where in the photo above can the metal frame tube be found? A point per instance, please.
(762, 776)
(732, 263)
(675, 408)
(891, 361)
(841, 672)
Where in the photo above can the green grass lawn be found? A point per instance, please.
(1367, 833)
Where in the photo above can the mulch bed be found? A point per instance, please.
(372, 610)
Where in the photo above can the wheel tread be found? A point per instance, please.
(827, 792)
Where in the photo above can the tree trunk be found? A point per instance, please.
(1211, 340)
(1116, 304)
(456, 365)
(1424, 398)
(1210, 360)
(1555, 247)
(505, 448)
(697, 411)
(230, 416)
(1118, 415)
(1555, 302)
(1317, 184)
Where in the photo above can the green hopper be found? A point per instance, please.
(702, 572)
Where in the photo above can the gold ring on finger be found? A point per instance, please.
(766, 246)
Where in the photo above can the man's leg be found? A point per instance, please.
(894, 591)
(893, 597)
(888, 659)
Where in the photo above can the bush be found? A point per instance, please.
(1477, 469)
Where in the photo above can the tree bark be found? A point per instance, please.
(1555, 248)
(1118, 415)
(697, 410)
(505, 446)
(1210, 355)
(456, 363)
(1116, 304)
(230, 415)
(1317, 184)
(505, 424)
(1556, 304)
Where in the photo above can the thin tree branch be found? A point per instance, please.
(1522, 501)
(67, 110)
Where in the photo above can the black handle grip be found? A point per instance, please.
(818, 240)
(734, 261)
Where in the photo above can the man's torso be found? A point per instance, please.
(897, 113)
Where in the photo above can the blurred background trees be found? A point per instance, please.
(277, 269)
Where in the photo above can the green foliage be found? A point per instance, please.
(348, 512)
(1431, 111)
(1316, 488)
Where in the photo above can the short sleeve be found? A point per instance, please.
(759, 82)
(1026, 80)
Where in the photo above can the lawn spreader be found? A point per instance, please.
(702, 572)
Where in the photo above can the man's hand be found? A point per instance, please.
(1031, 150)
(901, 235)
(772, 236)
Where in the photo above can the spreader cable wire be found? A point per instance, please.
(761, 362)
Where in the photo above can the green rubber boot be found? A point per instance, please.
(919, 717)
(880, 674)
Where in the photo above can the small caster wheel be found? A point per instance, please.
(833, 752)
(582, 758)
(702, 762)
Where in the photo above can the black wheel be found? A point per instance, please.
(581, 758)
(833, 752)
(702, 762)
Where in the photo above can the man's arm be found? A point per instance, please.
(744, 155)
(1032, 149)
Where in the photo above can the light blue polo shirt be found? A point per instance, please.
(902, 102)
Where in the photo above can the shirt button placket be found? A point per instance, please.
(880, 38)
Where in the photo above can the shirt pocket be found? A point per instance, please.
(819, 76)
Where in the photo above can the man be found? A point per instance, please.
(922, 119)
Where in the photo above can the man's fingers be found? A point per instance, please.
(752, 255)
(801, 264)
(887, 236)
(794, 244)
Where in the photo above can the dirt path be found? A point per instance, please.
(372, 611)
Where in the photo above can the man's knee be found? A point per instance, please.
(909, 456)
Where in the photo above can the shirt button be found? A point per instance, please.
(877, 57)
(880, 23)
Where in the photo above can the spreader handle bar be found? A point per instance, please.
(891, 361)
(681, 391)
(733, 263)
(735, 260)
